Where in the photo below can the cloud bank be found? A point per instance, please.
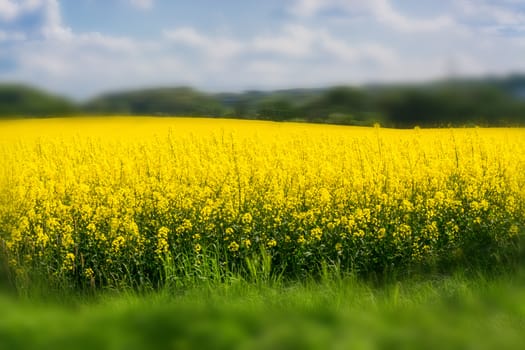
(316, 43)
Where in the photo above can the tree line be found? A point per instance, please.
(484, 102)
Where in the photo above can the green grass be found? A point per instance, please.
(452, 312)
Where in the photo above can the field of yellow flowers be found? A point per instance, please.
(130, 201)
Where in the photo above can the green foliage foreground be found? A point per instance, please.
(452, 313)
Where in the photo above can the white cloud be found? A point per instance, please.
(48, 11)
(302, 43)
(305, 50)
(94, 62)
(501, 14)
(501, 18)
(386, 13)
(53, 27)
(295, 40)
(381, 11)
(213, 47)
(79, 63)
(8, 10)
(307, 8)
(142, 4)
(12, 9)
(11, 36)
(187, 36)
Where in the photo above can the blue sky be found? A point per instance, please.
(85, 47)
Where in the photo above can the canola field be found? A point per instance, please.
(125, 202)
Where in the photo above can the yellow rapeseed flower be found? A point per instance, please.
(233, 246)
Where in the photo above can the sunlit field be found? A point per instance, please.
(303, 215)
(134, 202)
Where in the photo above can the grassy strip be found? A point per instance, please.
(449, 312)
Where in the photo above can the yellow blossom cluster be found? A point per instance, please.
(98, 200)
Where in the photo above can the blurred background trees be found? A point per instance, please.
(458, 102)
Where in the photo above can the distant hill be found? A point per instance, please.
(18, 100)
(157, 101)
(489, 101)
